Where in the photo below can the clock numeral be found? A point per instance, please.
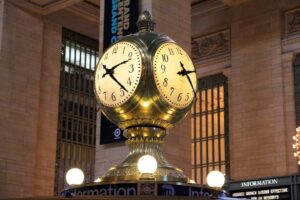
(187, 97)
(172, 90)
(105, 57)
(163, 68)
(131, 69)
(165, 83)
(130, 54)
(124, 50)
(122, 92)
(165, 57)
(104, 95)
(113, 97)
(179, 97)
(115, 49)
(179, 51)
(171, 52)
(129, 81)
(99, 88)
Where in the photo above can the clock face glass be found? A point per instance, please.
(174, 75)
(118, 74)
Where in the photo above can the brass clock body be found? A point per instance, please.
(152, 102)
(145, 83)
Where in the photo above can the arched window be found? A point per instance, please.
(209, 128)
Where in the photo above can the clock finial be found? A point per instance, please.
(145, 22)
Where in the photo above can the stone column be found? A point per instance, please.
(29, 73)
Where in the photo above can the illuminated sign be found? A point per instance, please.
(259, 183)
(120, 17)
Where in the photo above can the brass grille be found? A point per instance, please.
(77, 107)
(209, 125)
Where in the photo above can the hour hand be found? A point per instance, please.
(110, 71)
(107, 71)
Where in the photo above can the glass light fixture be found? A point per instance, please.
(147, 164)
(215, 179)
(75, 176)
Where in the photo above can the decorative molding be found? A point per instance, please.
(290, 44)
(292, 22)
(211, 45)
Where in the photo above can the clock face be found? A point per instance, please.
(118, 74)
(174, 75)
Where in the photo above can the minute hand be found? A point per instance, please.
(184, 72)
(120, 84)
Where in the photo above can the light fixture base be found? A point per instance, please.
(144, 141)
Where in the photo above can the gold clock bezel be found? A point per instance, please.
(161, 102)
(131, 92)
(133, 100)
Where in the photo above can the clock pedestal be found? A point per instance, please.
(144, 141)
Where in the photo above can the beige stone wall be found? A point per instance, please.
(30, 59)
(261, 104)
(28, 115)
(172, 18)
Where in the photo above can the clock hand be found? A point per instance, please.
(181, 65)
(189, 79)
(110, 71)
(106, 70)
(114, 78)
(188, 72)
(184, 72)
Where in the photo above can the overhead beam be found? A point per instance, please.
(233, 2)
(45, 9)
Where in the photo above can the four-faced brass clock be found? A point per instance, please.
(145, 79)
(145, 83)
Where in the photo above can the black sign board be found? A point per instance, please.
(260, 189)
(282, 193)
(126, 189)
(142, 188)
(120, 19)
(110, 132)
(182, 190)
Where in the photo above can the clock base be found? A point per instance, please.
(144, 141)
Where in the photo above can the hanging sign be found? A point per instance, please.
(120, 17)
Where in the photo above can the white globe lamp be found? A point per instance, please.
(75, 176)
(147, 164)
(215, 179)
